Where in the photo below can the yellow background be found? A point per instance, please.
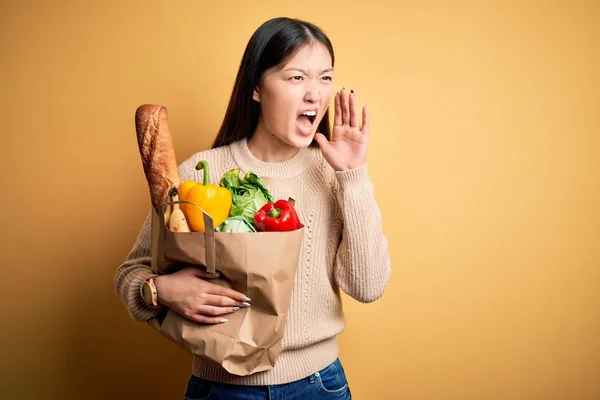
(485, 156)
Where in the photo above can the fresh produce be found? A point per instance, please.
(280, 216)
(214, 200)
(235, 224)
(177, 221)
(155, 145)
(248, 194)
(236, 204)
(168, 210)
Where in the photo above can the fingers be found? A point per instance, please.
(365, 121)
(321, 140)
(337, 121)
(353, 110)
(212, 311)
(223, 301)
(207, 314)
(203, 319)
(345, 107)
(227, 292)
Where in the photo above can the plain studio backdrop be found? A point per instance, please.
(484, 155)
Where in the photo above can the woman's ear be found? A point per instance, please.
(256, 95)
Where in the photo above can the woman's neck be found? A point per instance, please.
(268, 148)
(290, 167)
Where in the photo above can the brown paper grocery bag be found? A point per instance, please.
(262, 265)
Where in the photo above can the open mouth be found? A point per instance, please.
(306, 120)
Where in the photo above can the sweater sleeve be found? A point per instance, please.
(135, 269)
(363, 265)
(132, 273)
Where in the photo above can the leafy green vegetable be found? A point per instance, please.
(231, 179)
(235, 224)
(248, 194)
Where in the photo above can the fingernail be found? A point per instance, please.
(235, 308)
(223, 320)
(351, 90)
(245, 304)
(247, 299)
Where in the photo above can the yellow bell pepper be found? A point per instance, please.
(214, 200)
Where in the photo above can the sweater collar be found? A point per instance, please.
(294, 166)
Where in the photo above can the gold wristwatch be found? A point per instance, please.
(148, 291)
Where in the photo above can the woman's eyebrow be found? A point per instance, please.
(306, 73)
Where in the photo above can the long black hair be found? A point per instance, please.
(270, 46)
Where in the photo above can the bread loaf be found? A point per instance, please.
(157, 152)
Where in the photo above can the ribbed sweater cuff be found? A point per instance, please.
(356, 178)
(139, 309)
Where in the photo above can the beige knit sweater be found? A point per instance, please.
(344, 247)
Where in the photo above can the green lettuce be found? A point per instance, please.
(248, 194)
(236, 224)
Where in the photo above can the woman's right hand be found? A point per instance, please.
(188, 293)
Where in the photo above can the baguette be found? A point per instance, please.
(158, 154)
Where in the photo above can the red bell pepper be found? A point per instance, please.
(280, 216)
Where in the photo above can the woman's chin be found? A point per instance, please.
(300, 141)
(304, 137)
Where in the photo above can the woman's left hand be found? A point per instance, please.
(348, 146)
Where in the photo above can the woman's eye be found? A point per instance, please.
(327, 78)
(296, 78)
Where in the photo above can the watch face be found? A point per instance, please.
(146, 293)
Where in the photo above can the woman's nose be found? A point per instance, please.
(312, 94)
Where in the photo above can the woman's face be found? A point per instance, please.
(294, 98)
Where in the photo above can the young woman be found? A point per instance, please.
(277, 125)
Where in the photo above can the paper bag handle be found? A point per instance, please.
(282, 187)
(209, 235)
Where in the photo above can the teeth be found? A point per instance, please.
(310, 113)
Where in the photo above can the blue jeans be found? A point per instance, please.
(329, 383)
